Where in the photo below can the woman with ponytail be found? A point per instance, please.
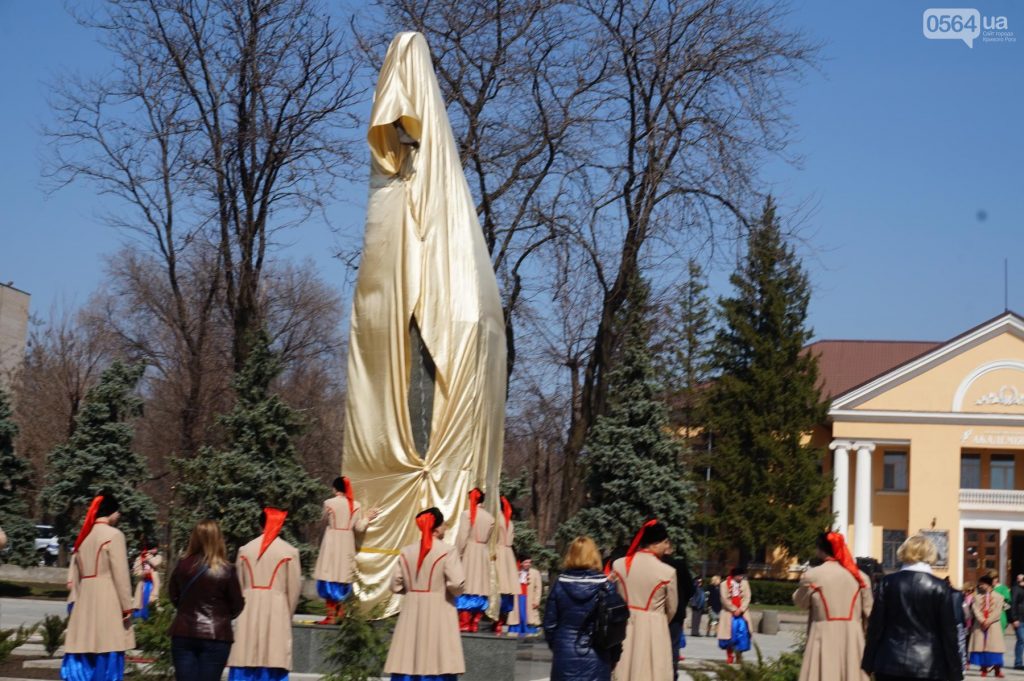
(426, 645)
(837, 596)
(475, 529)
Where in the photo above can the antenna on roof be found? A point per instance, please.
(1006, 285)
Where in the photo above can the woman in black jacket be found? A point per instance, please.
(567, 618)
(911, 632)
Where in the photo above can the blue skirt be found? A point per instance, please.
(333, 591)
(424, 677)
(987, 659)
(472, 602)
(147, 591)
(507, 602)
(257, 674)
(92, 667)
(523, 627)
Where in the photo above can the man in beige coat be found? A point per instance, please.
(838, 597)
(146, 569)
(987, 644)
(100, 597)
(505, 565)
(335, 569)
(475, 529)
(735, 593)
(524, 619)
(651, 591)
(429, 575)
(271, 578)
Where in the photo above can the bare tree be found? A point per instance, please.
(223, 121)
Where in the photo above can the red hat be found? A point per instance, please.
(636, 543)
(348, 494)
(275, 521)
(90, 520)
(427, 521)
(474, 500)
(841, 552)
(506, 511)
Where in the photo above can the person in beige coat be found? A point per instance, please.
(270, 575)
(336, 564)
(838, 597)
(146, 569)
(735, 593)
(524, 619)
(475, 529)
(429, 576)
(505, 565)
(987, 644)
(100, 587)
(651, 591)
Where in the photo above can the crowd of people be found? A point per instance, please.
(618, 618)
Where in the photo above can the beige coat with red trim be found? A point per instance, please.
(505, 559)
(101, 589)
(154, 561)
(337, 559)
(473, 543)
(725, 617)
(426, 638)
(838, 615)
(652, 594)
(534, 591)
(271, 585)
(993, 642)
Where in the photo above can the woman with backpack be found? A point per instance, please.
(572, 620)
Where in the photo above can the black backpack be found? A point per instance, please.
(606, 623)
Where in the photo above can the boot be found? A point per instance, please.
(999, 673)
(332, 607)
(497, 626)
(729, 656)
(475, 625)
(339, 613)
(464, 620)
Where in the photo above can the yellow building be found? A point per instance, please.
(930, 437)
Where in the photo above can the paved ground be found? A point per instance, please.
(15, 612)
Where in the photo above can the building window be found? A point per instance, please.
(894, 471)
(1002, 472)
(891, 542)
(970, 471)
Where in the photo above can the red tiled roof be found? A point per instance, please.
(846, 364)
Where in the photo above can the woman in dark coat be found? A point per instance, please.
(570, 603)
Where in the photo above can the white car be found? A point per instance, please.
(47, 545)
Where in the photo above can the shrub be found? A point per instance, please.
(10, 639)
(785, 668)
(772, 592)
(153, 639)
(52, 630)
(361, 646)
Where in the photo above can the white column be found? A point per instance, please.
(1004, 540)
(841, 490)
(862, 508)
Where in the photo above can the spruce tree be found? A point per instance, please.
(632, 458)
(15, 482)
(766, 486)
(99, 457)
(258, 467)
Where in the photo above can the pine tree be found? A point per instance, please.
(259, 466)
(98, 457)
(632, 458)
(766, 489)
(15, 481)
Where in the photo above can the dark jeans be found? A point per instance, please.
(199, 659)
(695, 616)
(1018, 648)
(674, 630)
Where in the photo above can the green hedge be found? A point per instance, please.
(772, 591)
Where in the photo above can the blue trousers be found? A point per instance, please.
(198, 659)
(1018, 649)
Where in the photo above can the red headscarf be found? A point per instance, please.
(506, 511)
(348, 495)
(425, 521)
(90, 520)
(474, 501)
(841, 552)
(275, 521)
(636, 543)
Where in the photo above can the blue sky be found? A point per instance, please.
(904, 140)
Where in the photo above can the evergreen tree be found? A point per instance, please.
(632, 459)
(98, 457)
(258, 467)
(15, 481)
(766, 486)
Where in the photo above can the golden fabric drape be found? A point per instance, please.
(424, 257)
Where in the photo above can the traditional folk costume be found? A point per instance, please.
(336, 564)
(838, 598)
(987, 645)
(426, 645)
(735, 595)
(100, 599)
(505, 564)
(270, 575)
(147, 589)
(651, 591)
(524, 619)
(475, 529)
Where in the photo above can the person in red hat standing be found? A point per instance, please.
(735, 594)
(650, 588)
(505, 565)
(426, 645)
(475, 529)
(271, 578)
(100, 598)
(336, 563)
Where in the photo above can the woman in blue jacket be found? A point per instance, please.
(566, 618)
